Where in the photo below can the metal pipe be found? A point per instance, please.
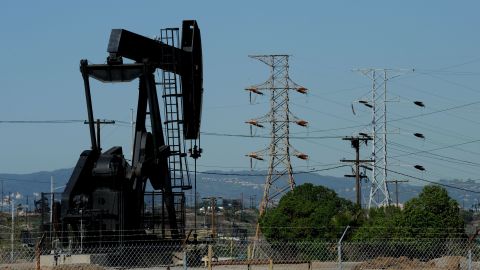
(340, 248)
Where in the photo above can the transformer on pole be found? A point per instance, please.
(280, 174)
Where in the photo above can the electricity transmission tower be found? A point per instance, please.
(279, 118)
(379, 194)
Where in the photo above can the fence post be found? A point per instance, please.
(339, 255)
(340, 266)
(210, 255)
(270, 264)
(470, 259)
(184, 259)
(37, 257)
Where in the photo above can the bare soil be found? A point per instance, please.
(404, 263)
(31, 266)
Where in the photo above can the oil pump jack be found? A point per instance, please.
(105, 194)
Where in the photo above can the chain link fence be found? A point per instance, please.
(233, 253)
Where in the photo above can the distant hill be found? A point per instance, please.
(235, 184)
(28, 184)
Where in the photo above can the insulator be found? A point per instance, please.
(254, 123)
(302, 156)
(255, 156)
(419, 167)
(419, 135)
(302, 123)
(254, 90)
(419, 103)
(302, 90)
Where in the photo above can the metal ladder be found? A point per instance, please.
(172, 97)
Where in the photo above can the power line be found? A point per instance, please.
(433, 182)
(443, 70)
(437, 143)
(435, 112)
(315, 164)
(453, 167)
(449, 99)
(266, 137)
(40, 121)
(457, 65)
(429, 93)
(434, 156)
(453, 83)
(263, 175)
(326, 146)
(423, 125)
(269, 137)
(332, 129)
(322, 112)
(128, 124)
(439, 148)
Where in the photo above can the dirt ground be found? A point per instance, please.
(31, 266)
(401, 263)
(404, 263)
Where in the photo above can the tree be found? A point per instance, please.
(433, 214)
(308, 212)
(380, 223)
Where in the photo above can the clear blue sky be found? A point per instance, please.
(42, 42)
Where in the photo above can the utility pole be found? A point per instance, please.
(195, 152)
(132, 125)
(12, 202)
(52, 198)
(26, 214)
(213, 206)
(396, 188)
(355, 141)
(3, 198)
(278, 118)
(253, 199)
(100, 122)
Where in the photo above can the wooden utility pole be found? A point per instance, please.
(396, 188)
(98, 123)
(213, 206)
(355, 141)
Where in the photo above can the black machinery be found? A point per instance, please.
(105, 194)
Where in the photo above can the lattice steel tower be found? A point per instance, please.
(379, 194)
(280, 175)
